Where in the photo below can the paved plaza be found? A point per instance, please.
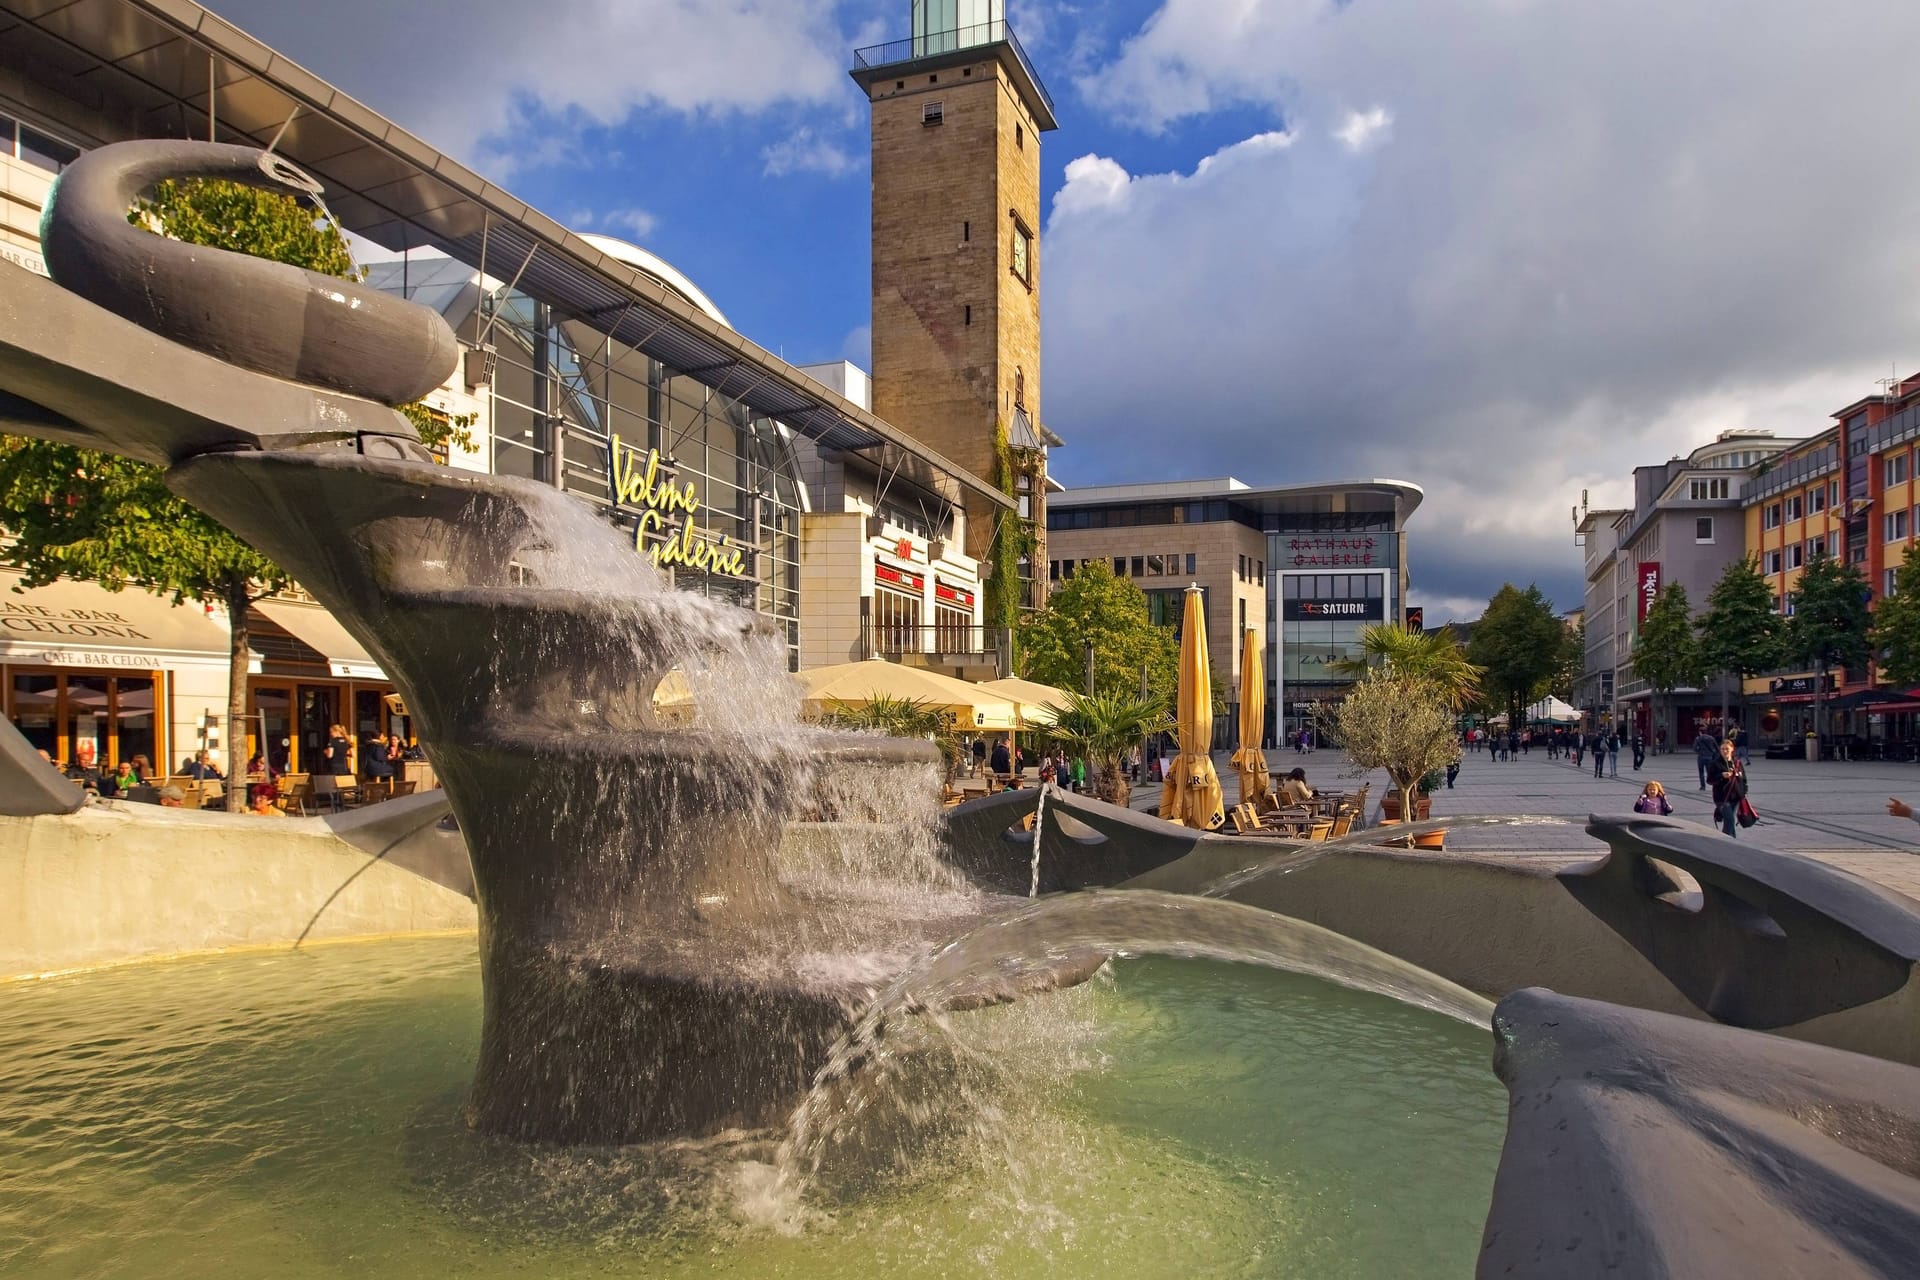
(1834, 811)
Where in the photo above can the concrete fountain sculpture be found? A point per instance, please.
(646, 974)
(645, 971)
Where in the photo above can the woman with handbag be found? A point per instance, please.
(1729, 782)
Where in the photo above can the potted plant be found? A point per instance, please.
(1402, 723)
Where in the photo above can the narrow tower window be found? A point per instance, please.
(933, 113)
(969, 313)
(966, 232)
(1019, 138)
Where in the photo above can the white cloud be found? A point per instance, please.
(1562, 267)
(467, 75)
(633, 223)
(806, 151)
(1362, 128)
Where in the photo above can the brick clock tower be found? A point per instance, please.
(957, 117)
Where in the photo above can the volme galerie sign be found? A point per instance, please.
(1649, 585)
(636, 482)
(1369, 610)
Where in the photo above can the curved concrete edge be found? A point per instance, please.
(28, 784)
(1640, 1144)
(117, 882)
(408, 834)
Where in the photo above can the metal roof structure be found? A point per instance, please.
(1266, 500)
(172, 69)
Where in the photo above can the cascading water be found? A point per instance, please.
(1039, 829)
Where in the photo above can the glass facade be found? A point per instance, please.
(562, 391)
(1331, 574)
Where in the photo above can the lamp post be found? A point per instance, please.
(1089, 645)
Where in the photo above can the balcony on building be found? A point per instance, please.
(956, 33)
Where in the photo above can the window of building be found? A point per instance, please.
(1896, 469)
(1156, 567)
(1894, 525)
(1053, 570)
(896, 621)
(933, 113)
(1770, 516)
(1022, 252)
(1796, 556)
(1139, 567)
(38, 149)
(1771, 563)
(1119, 566)
(1817, 499)
(1886, 581)
(1703, 529)
(1260, 574)
(1192, 564)
(1019, 138)
(1793, 507)
(1707, 490)
(1816, 545)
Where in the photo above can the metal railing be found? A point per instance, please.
(948, 643)
(939, 42)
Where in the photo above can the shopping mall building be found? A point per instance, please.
(588, 364)
(1304, 567)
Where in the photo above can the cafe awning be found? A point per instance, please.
(314, 627)
(70, 623)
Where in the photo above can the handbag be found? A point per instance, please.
(1745, 813)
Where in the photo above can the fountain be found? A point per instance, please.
(645, 972)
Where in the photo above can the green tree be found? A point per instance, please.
(1896, 625)
(1111, 613)
(1433, 656)
(1401, 723)
(1830, 623)
(80, 514)
(1517, 643)
(1572, 665)
(1667, 655)
(1741, 631)
(1105, 727)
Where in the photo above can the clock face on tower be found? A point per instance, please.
(1022, 251)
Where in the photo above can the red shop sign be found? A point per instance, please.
(898, 577)
(941, 591)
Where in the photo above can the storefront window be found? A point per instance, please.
(57, 711)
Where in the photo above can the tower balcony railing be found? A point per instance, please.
(935, 43)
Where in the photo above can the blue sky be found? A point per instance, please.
(1507, 249)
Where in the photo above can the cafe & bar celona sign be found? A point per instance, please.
(636, 483)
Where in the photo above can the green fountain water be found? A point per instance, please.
(298, 1115)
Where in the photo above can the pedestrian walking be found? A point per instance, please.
(1599, 748)
(1729, 781)
(1640, 753)
(1705, 752)
(1653, 799)
(1579, 746)
(1613, 755)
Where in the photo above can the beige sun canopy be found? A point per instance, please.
(314, 627)
(81, 624)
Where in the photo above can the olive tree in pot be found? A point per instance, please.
(1401, 723)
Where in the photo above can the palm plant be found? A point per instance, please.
(1435, 657)
(903, 718)
(1106, 727)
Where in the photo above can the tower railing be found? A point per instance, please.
(934, 43)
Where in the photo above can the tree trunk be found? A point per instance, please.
(239, 609)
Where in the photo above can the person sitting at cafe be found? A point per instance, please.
(1294, 789)
(82, 769)
(378, 757)
(120, 781)
(202, 767)
(262, 805)
(260, 767)
(172, 797)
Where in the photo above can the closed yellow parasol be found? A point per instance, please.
(1192, 790)
(1250, 760)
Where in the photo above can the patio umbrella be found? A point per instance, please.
(1250, 760)
(1191, 793)
(854, 683)
(1034, 703)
